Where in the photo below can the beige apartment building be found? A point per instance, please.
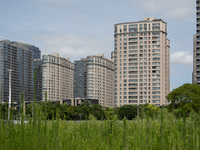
(94, 79)
(57, 77)
(195, 66)
(141, 59)
(196, 47)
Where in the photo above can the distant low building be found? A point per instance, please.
(78, 101)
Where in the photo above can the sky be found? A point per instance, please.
(78, 28)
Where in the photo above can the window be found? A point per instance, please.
(133, 51)
(133, 47)
(156, 88)
(156, 92)
(156, 58)
(132, 93)
(133, 55)
(155, 84)
(156, 26)
(156, 50)
(133, 101)
(133, 59)
(156, 97)
(133, 39)
(133, 43)
(132, 68)
(132, 80)
(133, 28)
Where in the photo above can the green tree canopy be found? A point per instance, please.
(128, 111)
(185, 97)
(152, 110)
(97, 111)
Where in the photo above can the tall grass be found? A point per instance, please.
(165, 132)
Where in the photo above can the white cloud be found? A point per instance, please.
(74, 46)
(182, 57)
(172, 9)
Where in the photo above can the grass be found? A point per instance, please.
(163, 133)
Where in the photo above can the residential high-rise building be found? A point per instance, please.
(93, 79)
(36, 51)
(20, 59)
(196, 47)
(194, 73)
(141, 59)
(57, 77)
(36, 67)
(38, 79)
(80, 78)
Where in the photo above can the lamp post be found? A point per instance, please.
(9, 103)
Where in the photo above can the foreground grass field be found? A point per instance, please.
(163, 133)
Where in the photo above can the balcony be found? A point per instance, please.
(198, 21)
(198, 45)
(198, 74)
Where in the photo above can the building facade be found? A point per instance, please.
(57, 77)
(36, 51)
(93, 79)
(38, 79)
(37, 66)
(141, 59)
(78, 101)
(20, 59)
(80, 78)
(196, 47)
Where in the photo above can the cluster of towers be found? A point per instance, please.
(137, 72)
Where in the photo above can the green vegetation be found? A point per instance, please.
(184, 99)
(50, 126)
(164, 132)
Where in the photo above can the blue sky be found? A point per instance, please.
(78, 28)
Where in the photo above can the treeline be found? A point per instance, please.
(183, 101)
(51, 110)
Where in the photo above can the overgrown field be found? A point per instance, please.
(162, 133)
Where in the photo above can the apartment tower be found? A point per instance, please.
(57, 77)
(93, 79)
(20, 58)
(196, 47)
(38, 79)
(141, 59)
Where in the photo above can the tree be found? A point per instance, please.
(97, 111)
(85, 103)
(85, 111)
(128, 111)
(152, 110)
(72, 113)
(64, 107)
(185, 97)
(141, 110)
(52, 109)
